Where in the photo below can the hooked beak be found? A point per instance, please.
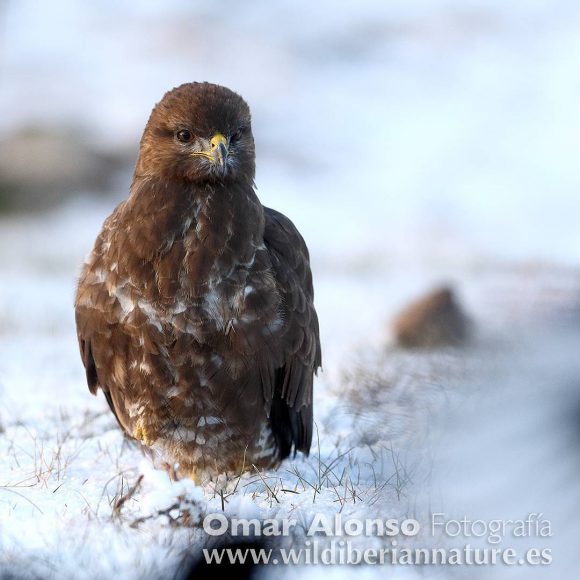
(217, 152)
(219, 149)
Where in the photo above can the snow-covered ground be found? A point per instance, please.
(412, 143)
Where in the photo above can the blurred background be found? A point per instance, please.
(416, 137)
(398, 120)
(412, 142)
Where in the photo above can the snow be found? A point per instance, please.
(411, 143)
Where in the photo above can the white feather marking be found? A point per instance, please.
(212, 302)
(187, 224)
(179, 308)
(99, 276)
(249, 317)
(185, 435)
(151, 313)
(145, 368)
(126, 303)
(203, 421)
(119, 370)
(265, 443)
(268, 452)
(135, 409)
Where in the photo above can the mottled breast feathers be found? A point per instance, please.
(168, 351)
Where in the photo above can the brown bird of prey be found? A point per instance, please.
(194, 310)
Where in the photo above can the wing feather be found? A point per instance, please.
(290, 395)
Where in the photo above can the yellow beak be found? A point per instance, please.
(219, 149)
(217, 152)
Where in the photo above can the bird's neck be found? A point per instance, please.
(210, 231)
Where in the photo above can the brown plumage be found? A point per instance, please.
(195, 310)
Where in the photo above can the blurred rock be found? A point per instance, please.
(435, 320)
(41, 167)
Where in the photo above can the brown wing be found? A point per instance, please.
(88, 342)
(289, 389)
(90, 339)
(95, 316)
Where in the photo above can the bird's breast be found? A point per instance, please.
(205, 274)
(238, 312)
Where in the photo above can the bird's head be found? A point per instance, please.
(198, 132)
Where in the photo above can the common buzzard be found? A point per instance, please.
(194, 310)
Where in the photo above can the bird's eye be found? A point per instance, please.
(184, 136)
